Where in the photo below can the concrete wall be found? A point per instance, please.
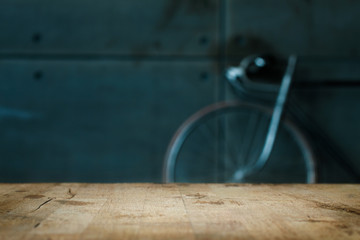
(94, 90)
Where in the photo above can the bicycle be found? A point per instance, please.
(224, 124)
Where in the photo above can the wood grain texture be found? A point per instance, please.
(179, 211)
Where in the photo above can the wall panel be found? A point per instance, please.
(308, 28)
(95, 120)
(143, 27)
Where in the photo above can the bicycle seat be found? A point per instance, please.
(257, 75)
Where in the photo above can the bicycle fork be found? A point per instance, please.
(274, 123)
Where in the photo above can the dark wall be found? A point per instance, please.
(94, 90)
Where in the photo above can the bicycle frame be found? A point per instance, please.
(275, 119)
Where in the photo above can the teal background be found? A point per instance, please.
(92, 91)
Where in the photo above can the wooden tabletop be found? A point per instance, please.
(179, 211)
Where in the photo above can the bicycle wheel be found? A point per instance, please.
(223, 138)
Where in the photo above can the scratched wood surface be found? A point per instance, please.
(179, 211)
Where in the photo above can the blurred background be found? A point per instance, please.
(92, 91)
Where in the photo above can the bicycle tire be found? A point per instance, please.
(222, 108)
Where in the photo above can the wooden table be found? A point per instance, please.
(179, 211)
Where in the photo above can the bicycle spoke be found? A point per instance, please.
(220, 144)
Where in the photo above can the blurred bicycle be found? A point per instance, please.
(243, 140)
